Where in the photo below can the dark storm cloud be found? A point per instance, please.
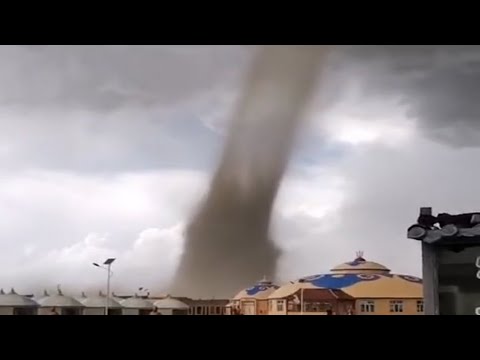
(440, 84)
(113, 108)
(87, 142)
(107, 77)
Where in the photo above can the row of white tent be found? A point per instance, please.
(15, 304)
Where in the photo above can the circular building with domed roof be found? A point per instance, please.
(253, 300)
(360, 265)
(372, 286)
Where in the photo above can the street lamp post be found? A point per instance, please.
(301, 281)
(108, 264)
(301, 301)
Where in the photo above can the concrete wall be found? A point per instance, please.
(101, 311)
(44, 311)
(173, 312)
(6, 310)
(11, 311)
(60, 311)
(136, 311)
(94, 311)
(130, 312)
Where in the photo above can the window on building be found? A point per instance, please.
(396, 306)
(420, 307)
(270, 305)
(199, 310)
(367, 306)
(218, 310)
(279, 305)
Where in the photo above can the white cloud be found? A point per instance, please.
(107, 77)
(148, 261)
(357, 120)
(63, 222)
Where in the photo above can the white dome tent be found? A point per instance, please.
(171, 306)
(59, 304)
(95, 305)
(117, 298)
(15, 304)
(40, 297)
(136, 305)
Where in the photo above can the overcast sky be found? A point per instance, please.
(106, 151)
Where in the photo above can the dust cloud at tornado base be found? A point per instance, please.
(228, 244)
